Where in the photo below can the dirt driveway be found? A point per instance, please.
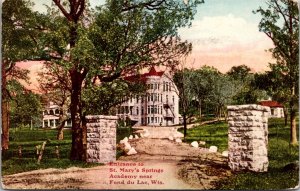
(159, 164)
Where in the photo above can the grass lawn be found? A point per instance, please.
(29, 139)
(279, 151)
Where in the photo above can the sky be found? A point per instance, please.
(224, 33)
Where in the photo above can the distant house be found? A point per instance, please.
(276, 108)
(159, 106)
(51, 116)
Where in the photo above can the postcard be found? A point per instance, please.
(153, 94)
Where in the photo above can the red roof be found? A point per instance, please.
(142, 77)
(270, 103)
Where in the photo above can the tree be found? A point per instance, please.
(280, 22)
(125, 37)
(182, 80)
(56, 87)
(200, 88)
(102, 99)
(240, 72)
(223, 91)
(19, 42)
(248, 93)
(26, 109)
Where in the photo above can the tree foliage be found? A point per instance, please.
(280, 22)
(121, 38)
(20, 32)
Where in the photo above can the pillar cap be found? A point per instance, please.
(248, 107)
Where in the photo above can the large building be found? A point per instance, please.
(160, 104)
(51, 116)
(276, 109)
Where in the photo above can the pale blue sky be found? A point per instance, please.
(243, 8)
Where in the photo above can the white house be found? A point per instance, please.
(160, 104)
(276, 108)
(51, 116)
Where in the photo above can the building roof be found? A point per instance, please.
(143, 77)
(270, 103)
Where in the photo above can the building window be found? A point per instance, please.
(137, 110)
(152, 109)
(56, 122)
(161, 109)
(164, 86)
(51, 112)
(161, 98)
(46, 123)
(148, 109)
(155, 119)
(45, 112)
(51, 122)
(272, 111)
(142, 108)
(142, 121)
(173, 98)
(170, 86)
(167, 86)
(167, 99)
(148, 119)
(56, 111)
(152, 119)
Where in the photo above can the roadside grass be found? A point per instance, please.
(28, 140)
(213, 134)
(280, 153)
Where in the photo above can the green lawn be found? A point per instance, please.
(279, 151)
(29, 139)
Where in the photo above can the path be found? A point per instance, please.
(183, 166)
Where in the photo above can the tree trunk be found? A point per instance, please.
(293, 134)
(285, 112)
(60, 131)
(77, 150)
(293, 103)
(84, 136)
(184, 126)
(5, 113)
(200, 110)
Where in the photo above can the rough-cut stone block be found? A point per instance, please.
(248, 137)
(178, 140)
(195, 144)
(132, 151)
(101, 138)
(127, 146)
(225, 153)
(213, 149)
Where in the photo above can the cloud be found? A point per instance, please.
(225, 41)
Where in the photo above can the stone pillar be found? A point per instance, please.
(248, 137)
(101, 138)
